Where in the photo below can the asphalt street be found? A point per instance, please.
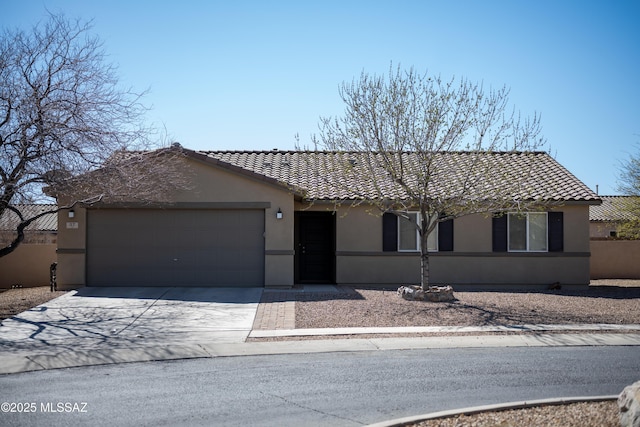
(324, 389)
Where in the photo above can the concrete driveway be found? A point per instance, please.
(118, 317)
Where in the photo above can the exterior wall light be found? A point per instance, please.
(72, 213)
(279, 214)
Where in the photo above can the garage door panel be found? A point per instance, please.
(175, 247)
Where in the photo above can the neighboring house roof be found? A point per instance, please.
(612, 209)
(316, 173)
(9, 220)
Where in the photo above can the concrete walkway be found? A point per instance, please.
(117, 325)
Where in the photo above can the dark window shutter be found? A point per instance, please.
(500, 233)
(389, 232)
(445, 236)
(556, 231)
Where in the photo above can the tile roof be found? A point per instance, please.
(611, 209)
(9, 220)
(321, 174)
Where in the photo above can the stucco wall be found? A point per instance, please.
(72, 240)
(576, 228)
(377, 269)
(28, 265)
(615, 259)
(472, 233)
(510, 269)
(360, 260)
(602, 229)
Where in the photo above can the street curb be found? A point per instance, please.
(491, 408)
(537, 328)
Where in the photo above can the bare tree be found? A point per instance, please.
(63, 116)
(629, 184)
(411, 142)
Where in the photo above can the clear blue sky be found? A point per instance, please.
(249, 75)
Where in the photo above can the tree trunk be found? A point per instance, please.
(16, 242)
(424, 261)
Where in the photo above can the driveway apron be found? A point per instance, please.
(120, 317)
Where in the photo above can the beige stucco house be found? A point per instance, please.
(246, 221)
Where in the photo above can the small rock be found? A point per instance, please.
(629, 405)
(433, 293)
(440, 293)
(412, 292)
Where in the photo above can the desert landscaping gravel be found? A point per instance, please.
(14, 301)
(616, 302)
(587, 414)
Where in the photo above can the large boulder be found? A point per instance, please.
(432, 293)
(629, 405)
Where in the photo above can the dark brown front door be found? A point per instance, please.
(315, 254)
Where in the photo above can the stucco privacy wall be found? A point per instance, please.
(212, 188)
(28, 265)
(360, 259)
(615, 259)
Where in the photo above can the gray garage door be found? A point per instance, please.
(175, 247)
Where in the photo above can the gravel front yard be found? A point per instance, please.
(616, 302)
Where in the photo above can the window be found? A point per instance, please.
(519, 232)
(401, 235)
(527, 232)
(409, 237)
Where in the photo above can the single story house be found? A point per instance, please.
(247, 221)
(28, 265)
(605, 218)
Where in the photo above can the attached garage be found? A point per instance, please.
(175, 247)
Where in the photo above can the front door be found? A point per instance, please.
(315, 254)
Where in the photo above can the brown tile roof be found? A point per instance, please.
(9, 220)
(611, 210)
(321, 175)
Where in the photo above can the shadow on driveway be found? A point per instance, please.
(115, 317)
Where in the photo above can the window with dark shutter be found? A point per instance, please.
(389, 232)
(556, 231)
(499, 233)
(445, 236)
